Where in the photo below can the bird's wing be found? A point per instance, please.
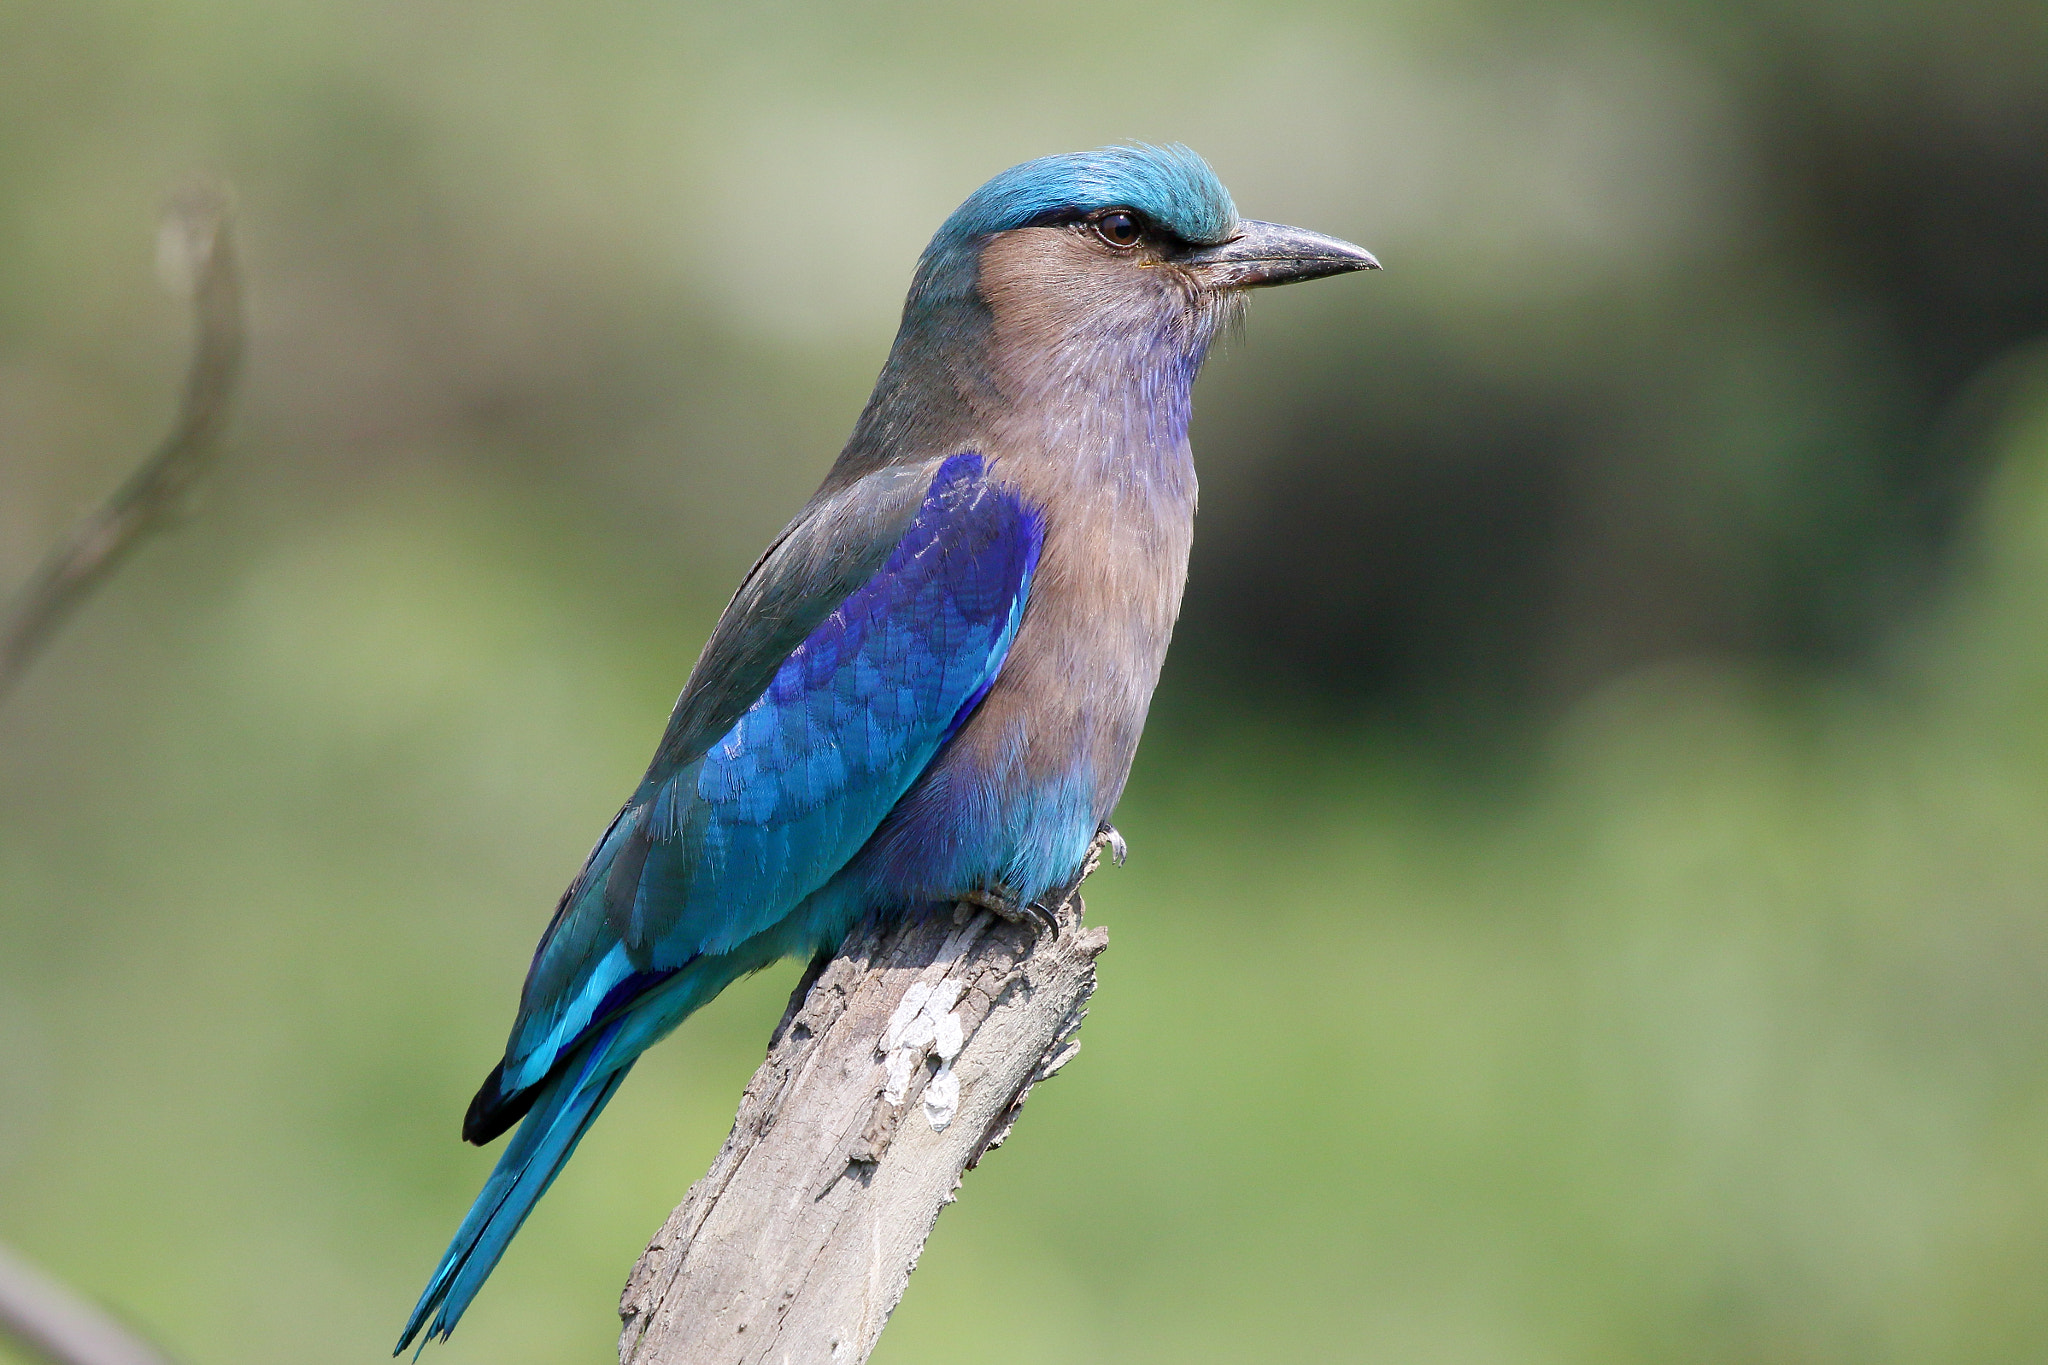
(858, 645)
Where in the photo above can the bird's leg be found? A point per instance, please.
(1002, 902)
(1044, 912)
(1106, 837)
(1106, 840)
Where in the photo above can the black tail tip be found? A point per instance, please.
(492, 1111)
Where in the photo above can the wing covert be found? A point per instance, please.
(720, 843)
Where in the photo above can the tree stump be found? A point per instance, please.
(896, 1066)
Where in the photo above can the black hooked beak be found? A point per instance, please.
(1264, 254)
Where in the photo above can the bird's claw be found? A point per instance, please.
(1106, 840)
(1044, 913)
(1001, 902)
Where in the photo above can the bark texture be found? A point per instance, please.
(895, 1068)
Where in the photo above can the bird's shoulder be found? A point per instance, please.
(838, 541)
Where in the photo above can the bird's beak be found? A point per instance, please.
(1264, 254)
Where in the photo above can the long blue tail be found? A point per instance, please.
(537, 1152)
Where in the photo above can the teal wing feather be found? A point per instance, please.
(858, 645)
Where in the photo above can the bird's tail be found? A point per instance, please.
(569, 1103)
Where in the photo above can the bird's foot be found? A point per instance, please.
(1045, 913)
(1106, 840)
(1002, 902)
(1106, 837)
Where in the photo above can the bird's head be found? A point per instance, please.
(1111, 258)
(1082, 288)
(1106, 214)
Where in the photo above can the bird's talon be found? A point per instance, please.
(1106, 836)
(1000, 902)
(1046, 915)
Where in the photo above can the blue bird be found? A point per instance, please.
(929, 688)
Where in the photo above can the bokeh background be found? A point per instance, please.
(1588, 897)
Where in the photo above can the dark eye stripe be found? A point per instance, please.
(1072, 216)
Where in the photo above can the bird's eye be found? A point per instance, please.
(1119, 227)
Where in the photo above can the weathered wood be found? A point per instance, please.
(893, 1071)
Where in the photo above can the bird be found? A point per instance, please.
(929, 688)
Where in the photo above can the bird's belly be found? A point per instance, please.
(1016, 797)
(1011, 802)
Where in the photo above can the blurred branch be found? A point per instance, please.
(50, 1320)
(896, 1066)
(196, 252)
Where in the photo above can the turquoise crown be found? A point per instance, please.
(1170, 185)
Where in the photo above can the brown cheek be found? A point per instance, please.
(1043, 283)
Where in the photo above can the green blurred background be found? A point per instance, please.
(1588, 897)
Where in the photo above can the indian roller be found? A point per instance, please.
(929, 688)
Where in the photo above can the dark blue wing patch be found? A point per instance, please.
(721, 846)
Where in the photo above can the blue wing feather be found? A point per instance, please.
(718, 845)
